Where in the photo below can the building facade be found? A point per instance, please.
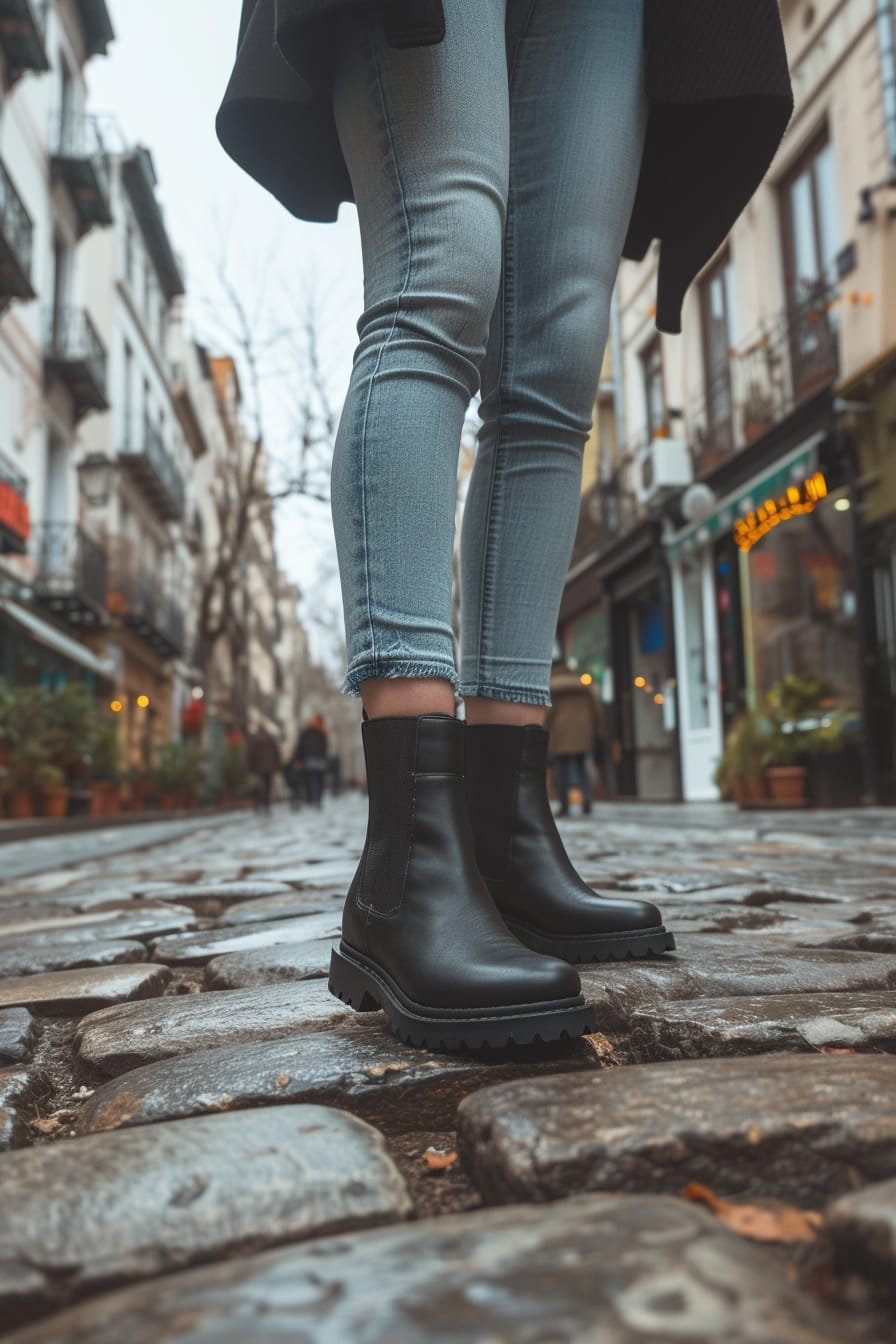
(745, 515)
(137, 535)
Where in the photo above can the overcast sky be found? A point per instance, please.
(163, 80)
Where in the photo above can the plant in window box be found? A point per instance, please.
(740, 772)
(757, 412)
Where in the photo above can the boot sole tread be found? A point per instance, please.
(363, 990)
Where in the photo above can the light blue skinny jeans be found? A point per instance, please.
(494, 175)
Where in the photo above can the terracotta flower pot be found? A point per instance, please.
(19, 804)
(787, 783)
(54, 801)
(749, 790)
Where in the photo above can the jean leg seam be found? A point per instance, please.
(407, 279)
(509, 229)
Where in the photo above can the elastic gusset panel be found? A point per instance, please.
(389, 751)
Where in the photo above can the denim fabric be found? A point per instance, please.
(494, 175)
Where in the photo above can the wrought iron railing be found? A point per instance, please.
(69, 562)
(146, 441)
(136, 594)
(81, 136)
(16, 223)
(782, 364)
(11, 476)
(73, 339)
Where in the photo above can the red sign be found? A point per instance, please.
(14, 511)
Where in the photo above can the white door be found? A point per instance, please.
(697, 657)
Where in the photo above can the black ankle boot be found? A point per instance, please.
(421, 937)
(520, 854)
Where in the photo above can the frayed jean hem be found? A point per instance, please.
(392, 668)
(523, 695)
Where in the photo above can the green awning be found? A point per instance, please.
(795, 467)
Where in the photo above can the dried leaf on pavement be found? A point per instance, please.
(437, 1159)
(770, 1220)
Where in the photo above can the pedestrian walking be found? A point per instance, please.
(503, 155)
(311, 756)
(335, 773)
(575, 726)
(263, 759)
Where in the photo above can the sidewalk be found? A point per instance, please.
(717, 1162)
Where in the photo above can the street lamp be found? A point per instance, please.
(96, 473)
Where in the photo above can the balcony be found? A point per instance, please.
(75, 355)
(16, 235)
(135, 597)
(783, 364)
(22, 34)
(14, 521)
(78, 158)
(71, 574)
(147, 459)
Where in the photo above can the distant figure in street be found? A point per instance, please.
(263, 761)
(311, 756)
(335, 770)
(575, 723)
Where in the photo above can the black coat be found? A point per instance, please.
(716, 75)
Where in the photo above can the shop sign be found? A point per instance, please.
(791, 471)
(14, 511)
(793, 501)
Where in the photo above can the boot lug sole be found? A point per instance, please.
(633, 946)
(362, 989)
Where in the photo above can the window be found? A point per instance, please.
(127, 407)
(810, 242)
(654, 396)
(717, 323)
(129, 251)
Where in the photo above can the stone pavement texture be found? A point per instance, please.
(198, 1143)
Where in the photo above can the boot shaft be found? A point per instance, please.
(397, 752)
(504, 778)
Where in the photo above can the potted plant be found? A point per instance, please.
(53, 790)
(740, 772)
(757, 412)
(169, 774)
(793, 705)
(25, 736)
(103, 770)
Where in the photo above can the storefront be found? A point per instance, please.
(641, 686)
(869, 416)
(35, 653)
(776, 557)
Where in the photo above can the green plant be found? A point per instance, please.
(836, 732)
(233, 773)
(48, 776)
(71, 724)
(743, 759)
(796, 707)
(105, 753)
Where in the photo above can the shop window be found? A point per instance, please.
(802, 603)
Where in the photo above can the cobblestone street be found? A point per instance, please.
(201, 1144)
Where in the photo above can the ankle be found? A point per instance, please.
(406, 697)
(479, 709)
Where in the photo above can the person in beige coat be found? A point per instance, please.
(575, 723)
